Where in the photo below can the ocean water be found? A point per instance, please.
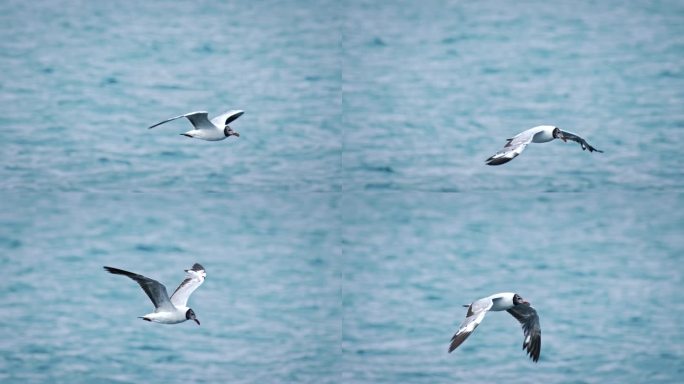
(433, 88)
(601, 273)
(269, 308)
(354, 215)
(92, 77)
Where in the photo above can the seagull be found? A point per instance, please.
(513, 304)
(173, 310)
(214, 130)
(539, 134)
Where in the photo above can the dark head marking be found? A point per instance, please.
(228, 131)
(556, 133)
(516, 298)
(190, 315)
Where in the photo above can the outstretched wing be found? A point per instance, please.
(581, 141)
(198, 119)
(528, 318)
(155, 290)
(226, 118)
(512, 149)
(476, 312)
(193, 279)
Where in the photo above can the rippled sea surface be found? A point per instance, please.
(345, 227)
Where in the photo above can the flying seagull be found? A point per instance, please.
(505, 301)
(214, 130)
(173, 310)
(539, 134)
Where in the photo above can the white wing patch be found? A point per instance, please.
(226, 118)
(193, 279)
(473, 324)
(477, 312)
(514, 147)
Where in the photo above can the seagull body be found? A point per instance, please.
(505, 301)
(168, 310)
(539, 134)
(215, 129)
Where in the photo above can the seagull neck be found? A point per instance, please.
(502, 302)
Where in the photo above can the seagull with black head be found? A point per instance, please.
(168, 310)
(505, 301)
(540, 134)
(215, 129)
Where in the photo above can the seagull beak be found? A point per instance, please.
(197, 321)
(523, 302)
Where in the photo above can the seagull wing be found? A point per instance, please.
(193, 279)
(198, 119)
(476, 312)
(528, 318)
(155, 290)
(513, 148)
(581, 141)
(226, 118)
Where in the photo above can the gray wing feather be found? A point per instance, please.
(528, 318)
(476, 312)
(155, 290)
(513, 147)
(195, 278)
(198, 119)
(226, 118)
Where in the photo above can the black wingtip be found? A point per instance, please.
(534, 357)
(117, 271)
(234, 117)
(498, 161)
(453, 344)
(457, 340)
(533, 350)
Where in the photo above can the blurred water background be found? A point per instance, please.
(354, 215)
